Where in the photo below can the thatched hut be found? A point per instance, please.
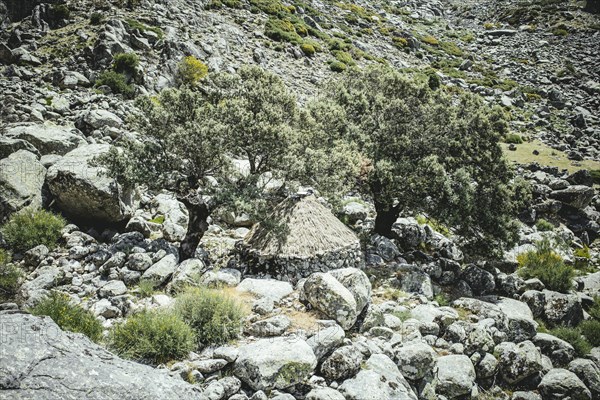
(307, 238)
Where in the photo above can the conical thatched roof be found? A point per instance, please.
(310, 229)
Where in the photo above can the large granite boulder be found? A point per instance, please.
(518, 361)
(275, 363)
(83, 192)
(40, 361)
(455, 376)
(21, 180)
(578, 196)
(559, 384)
(48, 139)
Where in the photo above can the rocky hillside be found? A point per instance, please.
(97, 302)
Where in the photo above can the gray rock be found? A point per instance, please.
(112, 289)
(480, 281)
(415, 359)
(73, 79)
(161, 271)
(187, 273)
(139, 262)
(559, 351)
(455, 376)
(275, 363)
(329, 296)
(326, 340)
(379, 379)
(52, 364)
(342, 363)
(274, 326)
(222, 277)
(559, 384)
(101, 118)
(21, 180)
(562, 309)
(578, 196)
(82, 191)
(487, 366)
(324, 393)
(175, 224)
(589, 373)
(35, 256)
(357, 282)
(272, 288)
(518, 361)
(48, 139)
(414, 281)
(47, 278)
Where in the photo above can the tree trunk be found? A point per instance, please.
(198, 211)
(386, 216)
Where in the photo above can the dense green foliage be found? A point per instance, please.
(10, 277)
(126, 63)
(426, 151)
(30, 228)
(69, 316)
(153, 337)
(591, 330)
(574, 338)
(544, 264)
(542, 225)
(192, 70)
(116, 82)
(216, 317)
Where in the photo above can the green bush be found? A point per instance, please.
(215, 316)
(591, 330)
(595, 176)
(27, 229)
(337, 66)
(192, 70)
(116, 82)
(96, 18)
(10, 277)
(513, 138)
(126, 63)
(60, 11)
(544, 264)
(69, 316)
(146, 288)
(573, 336)
(153, 337)
(282, 31)
(134, 24)
(594, 310)
(308, 49)
(543, 226)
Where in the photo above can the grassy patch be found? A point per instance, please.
(69, 316)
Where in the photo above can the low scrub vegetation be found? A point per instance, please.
(546, 265)
(69, 316)
(153, 337)
(30, 228)
(116, 82)
(192, 70)
(10, 277)
(215, 317)
(574, 337)
(543, 225)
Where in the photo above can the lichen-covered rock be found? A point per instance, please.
(379, 379)
(83, 192)
(357, 282)
(162, 270)
(559, 384)
(326, 340)
(518, 361)
(589, 373)
(40, 361)
(275, 363)
(455, 376)
(333, 299)
(21, 180)
(562, 309)
(48, 139)
(559, 351)
(415, 359)
(342, 363)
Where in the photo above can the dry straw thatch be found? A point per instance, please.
(310, 230)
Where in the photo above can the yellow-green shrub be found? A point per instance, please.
(192, 70)
(546, 265)
(30, 228)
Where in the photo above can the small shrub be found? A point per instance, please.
(134, 24)
(146, 288)
(560, 32)
(430, 40)
(153, 337)
(594, 310)
(10, 277)
(28, 229)
(60, 11)
(595, 176)
(192, 70)
(489, 26)
(344, 57)
(544, 226)
(308, 49)
(573, 336)
(337, 66)
(215, 316)
(96, 18)
(126, 63)
(116, 82)
(282, 31)
(513, 138)
(591, 330)
(69, 316)
(400, 42)
(442, 299)
(549, 267)
(583, 252)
